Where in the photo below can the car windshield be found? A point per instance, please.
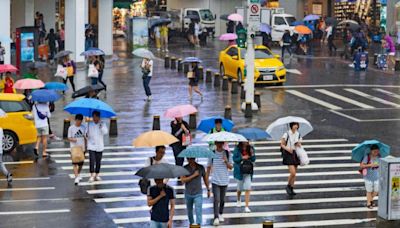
(259, 53)
(14, 106)
(290, 20)
(206, 15)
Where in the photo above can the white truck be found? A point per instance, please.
(181, 21)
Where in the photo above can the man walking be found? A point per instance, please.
(77, 139)
(95, 135)
(159, 198)
(286, 43)
(41, 113)
(330, 36)
(179, 128)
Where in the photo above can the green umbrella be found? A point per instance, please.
(196, 152)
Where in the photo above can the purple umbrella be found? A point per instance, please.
(265, 28)
(311, 17)
(228, 36)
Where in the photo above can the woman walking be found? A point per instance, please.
(147, 70)
(102, 62)
(290, 140)
(243, 158)
(70, 66)
(194, 78)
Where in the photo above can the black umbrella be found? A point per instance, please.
(85, 90)
(224, 17)
(161, 171)
(62, 54)
(36, 65)
(332, 21)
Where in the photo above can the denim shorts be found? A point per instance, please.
(371, 186)
(245, 183)
(43, 131)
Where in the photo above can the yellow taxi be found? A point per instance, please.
(18, 125)
(269, 69)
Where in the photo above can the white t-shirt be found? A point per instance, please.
(150, 62)
(95, 134)
(77, 133)
(329, 31)
(44, 109)
(293, 139)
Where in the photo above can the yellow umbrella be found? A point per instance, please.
(154, 138)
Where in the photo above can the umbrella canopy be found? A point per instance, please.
(58, 86)
(302, 29)
(143, 53)
(196, 152)
(281, 126)
(235, 17)
(92, 52)
(45, 95)
(154, 138)
(209, 123)
(86, 106)
(2, 113)
(62, 54)
(331, 20)
(28, 83)
(191, 60)
(344, 22)
(253, 133)
(159, 21)
(265, 28)
(224, 17)
(297, 23)
(85, 90)
(311, 17)
(37, 65)
(7, 68)
(354, 27)
(363, 149)
(161, 171)
(228, 36)
(180, 111)
(224, 137)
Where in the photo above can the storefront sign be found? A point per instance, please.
(394, 199)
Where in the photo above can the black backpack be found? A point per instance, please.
(246, 167)
(144, 183)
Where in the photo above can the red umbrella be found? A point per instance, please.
(7, 68)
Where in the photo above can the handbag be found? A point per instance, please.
(190, 75)
(302, 155)
(186, 139)
(92, 71)
(70, 71)
(77, 155)
(61, 72)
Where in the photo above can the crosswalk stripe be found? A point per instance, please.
(33, 200)
(315, 223)
(388, 93)
(26, 189)
(34, 212)
(345, 99)
(370, 97)
(18, 162)
(259, 214)
(313, 99)
(228, 193)
(27, 178)
(231, 185)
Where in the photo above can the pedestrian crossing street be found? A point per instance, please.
(330, 189)
(361, 104)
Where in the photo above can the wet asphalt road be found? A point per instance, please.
(50, 199)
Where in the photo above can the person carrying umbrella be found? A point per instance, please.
(370, 167)
(164, 37)
(179, 128)
(286, 44)
(243, 157)
(147, 70)
(157, 37)
(8, 83)
(218, 128)
(41, 113)
(194, 78)
(330, 35)
(158, 159)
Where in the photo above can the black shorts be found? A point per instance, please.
(78, 163)
(290, 158)
(193, 82)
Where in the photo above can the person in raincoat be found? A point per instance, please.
(243, 157)
(370, 170)
(8, 83)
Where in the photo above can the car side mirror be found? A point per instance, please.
(235, 57)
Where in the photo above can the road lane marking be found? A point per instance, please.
(259, 214)
(370, 97)
(294, 71)
(313, 99)
(33, 200)
(34, 212)
(28, 179)
(26, 189)
(18, 162)
(388, 93)
(345, 99)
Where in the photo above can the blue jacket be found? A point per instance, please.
(237, 160)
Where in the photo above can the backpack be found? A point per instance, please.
(144, 183)
(246, 167)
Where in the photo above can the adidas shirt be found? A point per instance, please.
(77, 133)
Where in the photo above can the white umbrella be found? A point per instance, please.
(281, 125)
(224, 136)
(2, 113)
(143, 53)
(348, 21)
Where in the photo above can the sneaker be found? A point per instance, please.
(79, 177)
(149, 98)
(238, 203)
(221, 218)
(9, 178)
(247, 210)
(216, 222)
(57, 138)
(77, 180)
(98, 178)
(91, 179)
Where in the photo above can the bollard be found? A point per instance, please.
(185, 68)
(156, 123)
(208, 76)
(242, 92)
(225, 83)
(234, 89)
(268, 224)
(166, 61)
(192, 121)
(179, 65)
(397, 65)
(67, 123)
(375, 59)
(201, 73)
(113, 127)
(228, 112)
(217, 81)
(173, 63)
(248, 112)
(257, 99)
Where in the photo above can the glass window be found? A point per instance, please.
(14, 106)
(192, 13)
(206, 15)
(280, 21)
(290, 20)
(232, 52)
(259, 53)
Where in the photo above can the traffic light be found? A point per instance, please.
(242, 37)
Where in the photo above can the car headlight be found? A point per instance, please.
(280, 68)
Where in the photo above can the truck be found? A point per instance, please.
(181, 19)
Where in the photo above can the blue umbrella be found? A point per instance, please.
(196, 152)
(311, 17)
(93, 51)
(86, 106)
(265, 28)
(363, 149)
(191, 60)
(209, 123)
(296, 23)
(45, 95)
(253, 133)
(56, 86)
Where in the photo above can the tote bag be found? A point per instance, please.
(93, 72)
(77, 154)
(302, 155)
(61, 72)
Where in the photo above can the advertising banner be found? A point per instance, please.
(27, 47)
(394, 191)
(140, 32)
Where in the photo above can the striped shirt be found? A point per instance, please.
(219, 171)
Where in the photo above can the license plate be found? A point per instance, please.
(268, 77)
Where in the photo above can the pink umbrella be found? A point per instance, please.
(180, 111)
(235, 17)
(7, 68)
(28, 83)
(228, 36)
